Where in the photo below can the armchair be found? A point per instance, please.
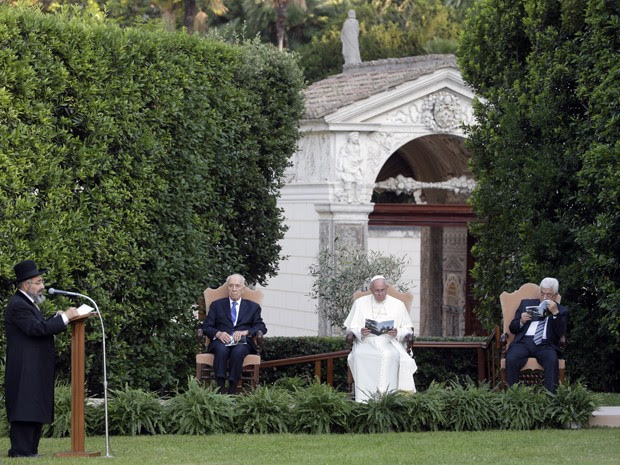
(204, 361)
(407, 299)
(531, 373)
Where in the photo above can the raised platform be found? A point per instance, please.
(606, 416)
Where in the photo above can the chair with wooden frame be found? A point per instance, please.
(407, 299)
(532, 371)
(251, 363)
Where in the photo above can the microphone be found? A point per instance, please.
(52, 291)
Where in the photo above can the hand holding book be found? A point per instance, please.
(379, 327)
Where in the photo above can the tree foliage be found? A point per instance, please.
(546, 155)
(337, 275)
(387, 30)
(140, 167)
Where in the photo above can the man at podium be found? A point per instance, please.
(30, 359)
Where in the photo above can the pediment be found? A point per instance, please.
(440, 101)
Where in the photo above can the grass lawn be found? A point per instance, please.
(582, 447)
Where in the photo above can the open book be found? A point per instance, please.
(379, 327)
(538, 312)
(84, 309)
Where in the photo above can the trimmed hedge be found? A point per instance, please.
(434, 365)
(140, 167)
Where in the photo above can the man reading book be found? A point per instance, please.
(538, 337)
(380, 363)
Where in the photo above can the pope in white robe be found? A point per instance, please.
(380, 363)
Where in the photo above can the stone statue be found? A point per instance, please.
(349, 166)
(350, 43)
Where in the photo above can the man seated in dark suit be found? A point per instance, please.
(231, 325)
(540, 338)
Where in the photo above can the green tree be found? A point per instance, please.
(337, 275)
(387, 30)
(546, 155)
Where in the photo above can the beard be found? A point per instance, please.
(38, 298)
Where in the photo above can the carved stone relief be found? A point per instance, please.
(407, 114)
(454, 276)
(461, 186)
(442, 111)
(350, 170)
(308, 163)
(350, 235)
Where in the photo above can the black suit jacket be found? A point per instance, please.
(30, 361)
(556, 326)
(248, 318)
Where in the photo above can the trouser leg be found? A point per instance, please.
(516, 358)
(235, 365)
(548, 358)
(24, 436)
(220, 363)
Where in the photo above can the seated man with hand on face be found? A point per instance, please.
(231, 325)
(380, 363)
(539, 339)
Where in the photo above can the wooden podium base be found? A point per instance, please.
(77, 454)
(78, 430)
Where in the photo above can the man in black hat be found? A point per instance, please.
(30, 360)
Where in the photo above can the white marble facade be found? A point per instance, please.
(354, 122)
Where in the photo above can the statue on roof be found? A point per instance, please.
(350, 40)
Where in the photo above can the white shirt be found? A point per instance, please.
(64, 317)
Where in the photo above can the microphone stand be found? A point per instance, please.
(105, 375)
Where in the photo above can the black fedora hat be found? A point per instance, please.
(26, 269)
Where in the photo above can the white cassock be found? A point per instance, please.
(380, 363)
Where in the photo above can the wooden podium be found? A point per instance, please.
(78, 430)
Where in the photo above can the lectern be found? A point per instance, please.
(78, 430)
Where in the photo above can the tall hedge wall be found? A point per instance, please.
(140, 167)
(546, 156)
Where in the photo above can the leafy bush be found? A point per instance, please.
(4, 421)
(572, 406)
(426, 409)
(470, 408)
(522, 407)
(383, 413)
(291, 406)
(200, 410)
(264, 410)
(320, 409)
(61, 427)
(134, 411)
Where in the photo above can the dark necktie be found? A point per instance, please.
(538, 335)
(233, 311)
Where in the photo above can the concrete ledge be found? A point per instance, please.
(606, 416)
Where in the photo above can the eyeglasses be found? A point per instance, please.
(547, 294)
(38, 282)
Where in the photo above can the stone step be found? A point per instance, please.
(606, 416)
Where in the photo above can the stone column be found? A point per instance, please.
(343, 224)
(431, 282)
